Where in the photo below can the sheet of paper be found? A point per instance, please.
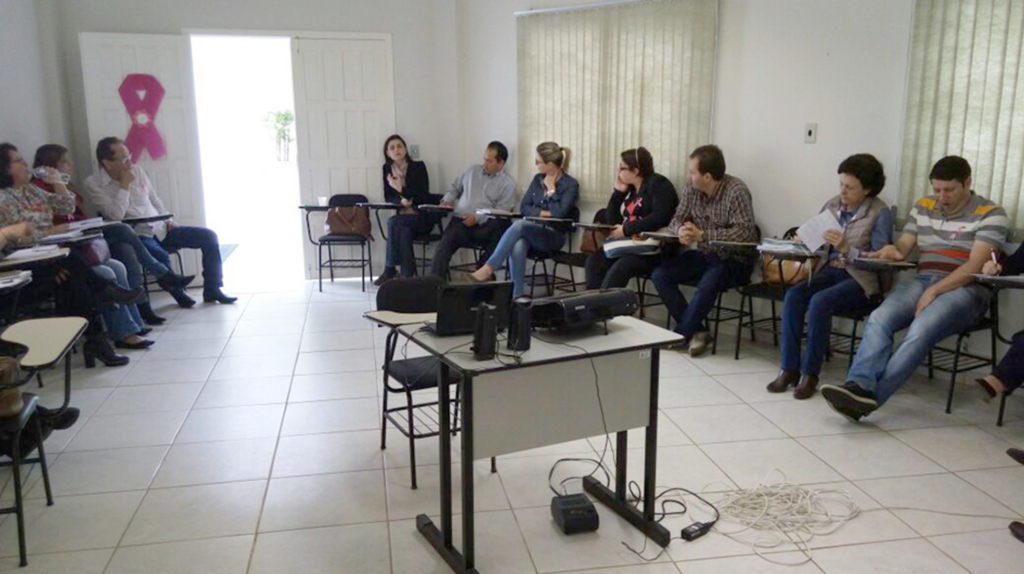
(31, 252)
(85, 224)
(812, 232)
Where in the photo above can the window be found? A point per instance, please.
(603, 80)
(965, 96)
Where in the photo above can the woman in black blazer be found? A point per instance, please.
(405, 183)
(642, 201)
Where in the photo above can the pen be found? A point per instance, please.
(993, 254)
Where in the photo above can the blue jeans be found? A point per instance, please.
(123, 320)
(880, 369)
(714, 275)
(184, 237)
(126, 247)
(516, 243)
(829, 291)
(402, 229)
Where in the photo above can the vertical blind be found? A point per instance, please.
(965, 96)
(603, 80)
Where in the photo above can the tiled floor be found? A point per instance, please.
(247, 440)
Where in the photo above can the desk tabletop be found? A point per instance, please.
(499, 213)
(1005, 282)
(371, 205)
(48, 340)
(624, 334)
(606, 226)
(147, 219)
(315, 207)
(393, 319)
(28, 262)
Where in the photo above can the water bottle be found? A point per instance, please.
(43, 173)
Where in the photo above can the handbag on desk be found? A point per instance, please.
(349, 221)
(94, 252)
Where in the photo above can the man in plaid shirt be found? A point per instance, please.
(715, 207)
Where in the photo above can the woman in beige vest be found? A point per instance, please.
(835, 287)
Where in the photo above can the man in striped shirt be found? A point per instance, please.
(956, 231)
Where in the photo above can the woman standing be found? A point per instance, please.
(642, 201)
(405, 183)
(552, 194)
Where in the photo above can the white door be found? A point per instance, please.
(344, 109)
(107, 59)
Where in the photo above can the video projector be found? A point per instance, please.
(575, 310)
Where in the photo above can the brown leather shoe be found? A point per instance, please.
(805, 390)
(1016, 454)
(1017, 529)
(782, 383)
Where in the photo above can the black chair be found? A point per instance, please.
(365, 260)
(956, 360)
(847, 343)
(431, 237)
(552, 281)
(771, 292)
(406, 376)
(11, 429)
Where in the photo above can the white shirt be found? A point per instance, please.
(139, 200)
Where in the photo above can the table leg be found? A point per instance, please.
(621, 452)
(441, 539)
(468, 534)
(651, 442)
(643, 521)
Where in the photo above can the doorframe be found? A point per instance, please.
(386, 37)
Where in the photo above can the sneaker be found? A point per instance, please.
(699, 343)
(850, 400)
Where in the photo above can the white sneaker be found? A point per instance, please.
(699, 343)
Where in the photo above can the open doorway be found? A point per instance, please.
(245, 107)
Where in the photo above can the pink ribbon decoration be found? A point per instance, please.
(142, 111)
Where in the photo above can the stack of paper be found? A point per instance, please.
(85, 224)
(57, 238)
(14, 278)
(812, 232)
(782, 246)
(30, 252)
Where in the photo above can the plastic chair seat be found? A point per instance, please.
(330, 238)
(418, 373)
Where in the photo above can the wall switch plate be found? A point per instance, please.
(811, 133)
(414, 151)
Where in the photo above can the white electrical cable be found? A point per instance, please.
(786, 512)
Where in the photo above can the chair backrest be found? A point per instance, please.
(410, 294)
(574, 214)
(599, 217)
(347, 200)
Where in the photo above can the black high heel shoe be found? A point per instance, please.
(100, 348)
(113, 294)
(148, 315)
(172, 280)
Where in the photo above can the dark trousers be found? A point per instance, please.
(184, 237)
(402, 229)
(1011, 369)
(457, 234)
(713, 275)
(831, 290)
(605, 273)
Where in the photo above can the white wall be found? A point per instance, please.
(780, 64)
(422, 34)
(23, 119)
(785, 63)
